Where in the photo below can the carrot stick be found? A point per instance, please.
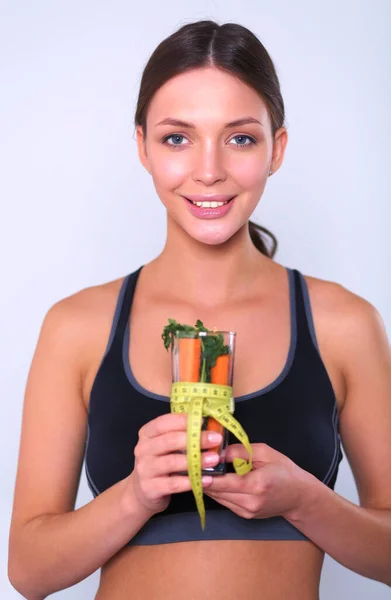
(219, 375)
(189, 359)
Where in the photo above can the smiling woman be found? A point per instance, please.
(175, 95)
(309, 356)
(206, 141)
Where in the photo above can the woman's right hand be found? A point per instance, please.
(156, 459)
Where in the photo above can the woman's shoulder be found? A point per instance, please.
(80, 322)
(86, 305)
(350, 322)
(336, 300)
(330, 299)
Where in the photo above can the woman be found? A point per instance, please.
(312, 363)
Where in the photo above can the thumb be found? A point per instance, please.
(261, 453)
(236, 451)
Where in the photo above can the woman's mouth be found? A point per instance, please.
(210, 210)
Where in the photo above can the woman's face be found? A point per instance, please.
(205, 156)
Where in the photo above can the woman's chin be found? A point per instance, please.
(212, 235)
(209, 231)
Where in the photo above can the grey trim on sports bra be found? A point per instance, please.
(220, 525)
(275, 383)
(117, 313)
(334, 460)
(95, 491)
(335, 415)
(114, 324)
(308, 311)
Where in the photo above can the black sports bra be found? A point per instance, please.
(296, 414)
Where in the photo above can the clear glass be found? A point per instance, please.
(190, 360)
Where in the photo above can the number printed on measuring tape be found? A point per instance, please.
(206, 400)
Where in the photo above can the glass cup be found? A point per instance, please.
(205, 357)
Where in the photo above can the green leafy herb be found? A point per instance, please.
(170, 330)
(212, 346)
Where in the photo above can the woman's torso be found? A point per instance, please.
(228, 569)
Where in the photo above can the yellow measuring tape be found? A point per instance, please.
(206, 400)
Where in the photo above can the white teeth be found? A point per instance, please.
(210, 204)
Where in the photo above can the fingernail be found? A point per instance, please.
(211, 458)
(214, 436)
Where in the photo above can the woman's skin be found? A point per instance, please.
(210, 159)
(218, 256)
(209, 269)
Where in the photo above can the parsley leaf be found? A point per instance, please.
(212, 346)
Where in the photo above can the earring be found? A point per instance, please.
(270, 172)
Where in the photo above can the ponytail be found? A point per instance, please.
(258, 240)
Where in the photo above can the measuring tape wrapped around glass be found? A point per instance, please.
(206, 400)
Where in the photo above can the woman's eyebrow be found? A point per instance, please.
(236, 123)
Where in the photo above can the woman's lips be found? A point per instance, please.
(209, 213)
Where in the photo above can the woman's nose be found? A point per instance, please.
(209, 165)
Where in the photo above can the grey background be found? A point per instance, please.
(77, 208)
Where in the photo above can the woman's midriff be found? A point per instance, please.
(218, 570)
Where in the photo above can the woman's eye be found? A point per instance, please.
(241, 138)
(175, 136)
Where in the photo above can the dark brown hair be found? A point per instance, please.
(231, 48)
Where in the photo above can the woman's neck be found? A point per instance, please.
(226, 271)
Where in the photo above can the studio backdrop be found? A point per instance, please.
(78, 209)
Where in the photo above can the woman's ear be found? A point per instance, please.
(280, 142)
(141, 148)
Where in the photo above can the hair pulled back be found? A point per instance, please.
(232, 48)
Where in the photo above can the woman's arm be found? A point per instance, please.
(55, 551)
(51, 545)
(359, 537)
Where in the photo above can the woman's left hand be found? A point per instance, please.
(275, 486)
